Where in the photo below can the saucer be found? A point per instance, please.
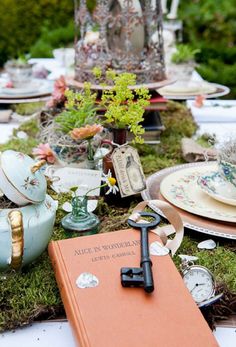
(31, 87)
(216, 187)
(34, 88)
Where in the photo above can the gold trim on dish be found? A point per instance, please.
(38, 165)
(15, 219)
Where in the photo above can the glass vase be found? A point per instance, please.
(80, 220)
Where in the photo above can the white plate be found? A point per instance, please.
(32, 87)
(181, 189)
(188, 88)
(219, 189)
(37, 88)
(220, 90)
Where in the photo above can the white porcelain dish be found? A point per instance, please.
(35, 88)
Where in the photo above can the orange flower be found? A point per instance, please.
(86, 132)
(199, 101)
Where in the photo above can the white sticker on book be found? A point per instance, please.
(87, 280)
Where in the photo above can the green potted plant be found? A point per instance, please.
(124, 105)
(80, 109)
(72, 131)
(183, 61)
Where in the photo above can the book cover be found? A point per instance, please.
(105, 314)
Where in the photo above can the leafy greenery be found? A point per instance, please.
(184, 54)
(80, 109)
(50, 39)
(210, 26)
(21, 22)
(124, 106)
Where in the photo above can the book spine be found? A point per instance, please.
(67, 295)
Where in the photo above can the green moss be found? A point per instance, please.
(178, 123)
(16, 144)
(30, 127)
(25, 146)
(28, 108)
(33, 292)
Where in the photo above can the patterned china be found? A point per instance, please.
(181, 189)
(191, 221)
(228, 171)
(213, 184)
(24, 230)
(20, 178)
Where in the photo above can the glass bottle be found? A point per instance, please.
(80, 220)
(134, 174)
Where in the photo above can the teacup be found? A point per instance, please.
(227, 171)
(20, 74)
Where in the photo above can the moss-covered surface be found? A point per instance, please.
(33, 293)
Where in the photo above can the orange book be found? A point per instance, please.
(109, 315)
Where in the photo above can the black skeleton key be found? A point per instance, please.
(141, 277)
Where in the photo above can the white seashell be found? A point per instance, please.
(22, 135)
(67, 206)
(188, 257)
(207, 244)
(87, 280)
(156, 248)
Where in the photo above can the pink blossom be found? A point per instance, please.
(199, 101)
(9, 84)
(43, 151)
(58, 94)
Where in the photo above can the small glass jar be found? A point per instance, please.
(80, 220)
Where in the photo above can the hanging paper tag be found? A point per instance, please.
(128, 170)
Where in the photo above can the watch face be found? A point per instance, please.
(199, 282)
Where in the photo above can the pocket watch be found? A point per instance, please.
(200, 283)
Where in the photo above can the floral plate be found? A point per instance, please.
(191, 221)
(181, 189)
(219, 189)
